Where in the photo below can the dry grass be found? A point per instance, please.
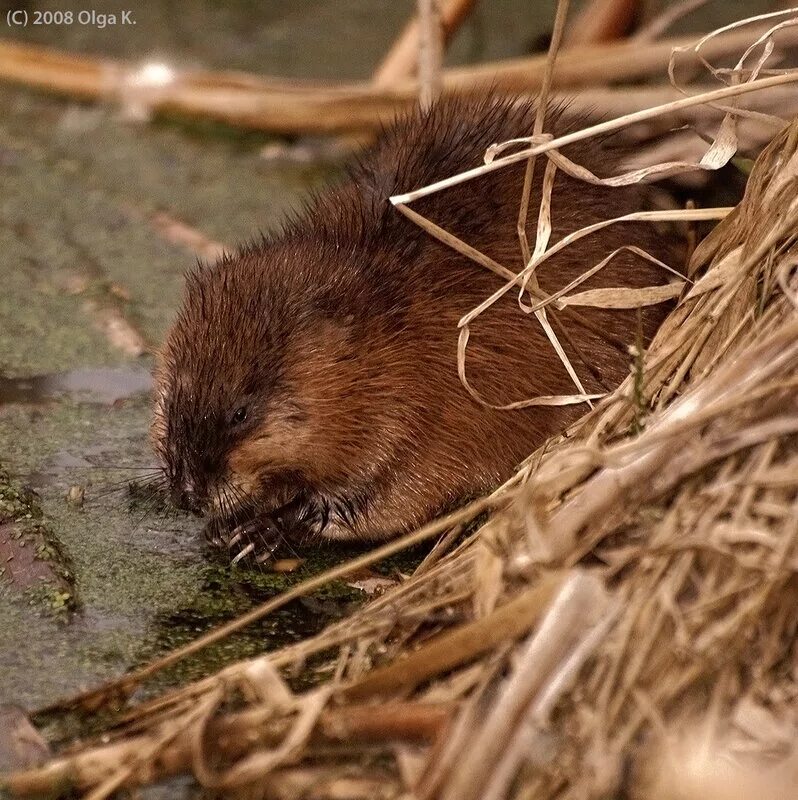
(622, 625)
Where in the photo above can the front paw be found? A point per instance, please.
(254, 540)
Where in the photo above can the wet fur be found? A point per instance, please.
(340, 335)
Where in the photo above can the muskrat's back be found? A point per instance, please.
(318, 368)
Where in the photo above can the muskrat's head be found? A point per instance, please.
(228, 422)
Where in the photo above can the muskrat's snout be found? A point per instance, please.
(185, 497)
(187, 492)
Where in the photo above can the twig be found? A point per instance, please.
(506, 623)
(661, 23)
(577, 607)
(234, 735)
(107, 308)
(274, 104)
(602, 21)
(177, 232)
(597, 130)
(430, 52)
(540, 118)
(402, 58)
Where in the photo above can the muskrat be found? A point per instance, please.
(311, 377)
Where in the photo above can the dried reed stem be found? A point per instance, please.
(402, 59)
(602, 21)
(430, 52)
(460, 645)
(279, 105)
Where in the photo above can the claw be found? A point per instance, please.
(236, 538)
(256, 538)
(243, 554)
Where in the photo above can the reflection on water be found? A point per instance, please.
(85, 385)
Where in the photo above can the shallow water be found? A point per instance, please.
(83, 385)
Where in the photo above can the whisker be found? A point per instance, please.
(148, 467)
(152, 483)
(152, 497)
(149, 508)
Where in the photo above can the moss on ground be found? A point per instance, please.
(54, 588)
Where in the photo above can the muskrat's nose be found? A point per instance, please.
(185, 497)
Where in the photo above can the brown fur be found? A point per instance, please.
(339, 336)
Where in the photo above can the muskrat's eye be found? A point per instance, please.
(239, 416)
